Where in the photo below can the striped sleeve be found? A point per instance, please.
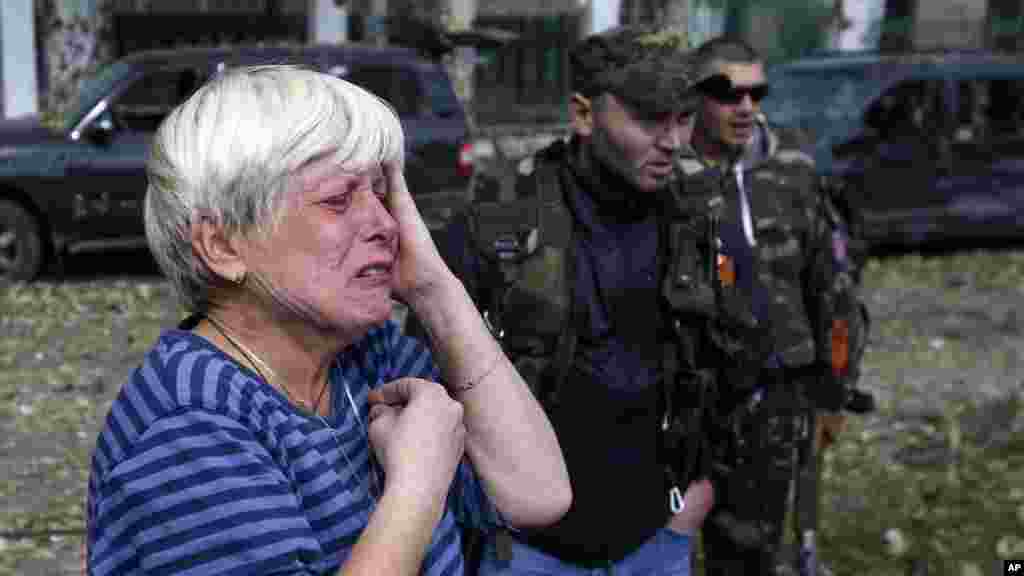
(199, 495)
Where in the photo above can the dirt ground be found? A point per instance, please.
(934, 479)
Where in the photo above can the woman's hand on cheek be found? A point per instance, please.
(419, 265)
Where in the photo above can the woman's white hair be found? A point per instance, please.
(227, 154)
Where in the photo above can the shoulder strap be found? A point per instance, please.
(551, 188)
(505, 234)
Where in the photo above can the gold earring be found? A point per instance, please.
(239, 278)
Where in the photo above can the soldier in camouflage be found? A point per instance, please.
(570, 274)
(783, 250)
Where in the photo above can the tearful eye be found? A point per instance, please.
(380, 188)
(338, 202)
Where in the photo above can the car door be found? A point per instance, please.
(903, 195)
(434, 131)
(988, 154)
(400, 87)
(113, 169)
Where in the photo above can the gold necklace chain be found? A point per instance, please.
(256, 362)
(373, 481)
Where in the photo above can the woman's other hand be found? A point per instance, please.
(417, 434)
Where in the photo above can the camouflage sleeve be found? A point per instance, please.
(834, 304)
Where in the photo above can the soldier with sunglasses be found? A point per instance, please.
(784, 251)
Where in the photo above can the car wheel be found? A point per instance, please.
(21, 247)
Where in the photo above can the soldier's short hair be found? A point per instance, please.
(646, 66)
(722, 49)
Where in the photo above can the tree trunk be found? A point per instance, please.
(677, 16)
(71, 49)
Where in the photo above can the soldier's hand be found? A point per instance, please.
(827, 427)
(697, 502)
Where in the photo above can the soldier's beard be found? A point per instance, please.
(711, 145)
(614, 160)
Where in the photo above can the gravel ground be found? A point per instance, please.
(934, 480)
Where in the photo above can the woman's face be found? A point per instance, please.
(329, 260)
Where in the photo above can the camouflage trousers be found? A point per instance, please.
(752, 471)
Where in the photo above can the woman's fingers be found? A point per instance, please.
(417, 432)
(400, 391)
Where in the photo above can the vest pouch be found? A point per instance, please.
(778, 246)
(526, 244)
(535, 305)
(687, 287)
(744, 342)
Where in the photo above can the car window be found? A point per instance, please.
(911, 109)
(813, 99)
(144, 104)
(991, 111)
(92, 90)
(440, 96)
(396, 85)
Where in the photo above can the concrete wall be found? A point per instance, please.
(950, 23)
(328, 24)
(864, 17)
(601, 15)
(18, 83)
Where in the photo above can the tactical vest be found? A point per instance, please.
(527, 247)
(720, 346)
(527, 289)
(816, 320)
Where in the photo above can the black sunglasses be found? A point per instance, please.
(720, 89)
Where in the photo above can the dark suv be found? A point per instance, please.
(79, 185)
(928, 146)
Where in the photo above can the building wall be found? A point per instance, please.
(864, 17)
(950, 24)
(18, 84)
(327, 23)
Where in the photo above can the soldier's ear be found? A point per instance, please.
(581, 112)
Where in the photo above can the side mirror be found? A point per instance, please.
(101, 131)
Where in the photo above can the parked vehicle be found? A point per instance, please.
(927, 146)
(79, 185)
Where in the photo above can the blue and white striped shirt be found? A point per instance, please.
(202, 468)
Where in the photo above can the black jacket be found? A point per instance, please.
(607, 416)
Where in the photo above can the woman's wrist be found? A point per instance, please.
(435, 303)
(458, 388)
(415, 498)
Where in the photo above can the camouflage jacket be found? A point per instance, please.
(809, 311)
